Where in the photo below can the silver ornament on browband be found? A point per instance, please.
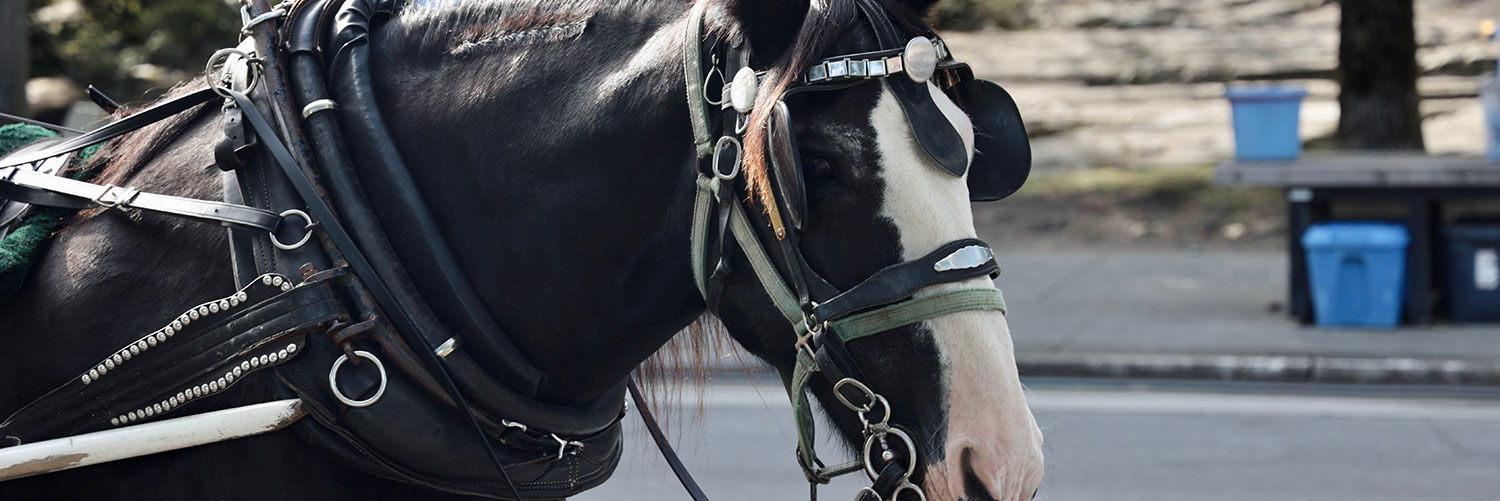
(744, 90)
(921, 59)
(972, 256)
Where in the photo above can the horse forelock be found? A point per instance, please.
(826, 20)
(820, 28)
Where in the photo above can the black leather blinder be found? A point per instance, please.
(1002, 151)
(786, 167)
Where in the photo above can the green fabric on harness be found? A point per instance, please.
(22, 248)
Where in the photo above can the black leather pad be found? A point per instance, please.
(933, 129)
(786, 167)
(1002, 152)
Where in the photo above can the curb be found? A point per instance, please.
(1270, 368)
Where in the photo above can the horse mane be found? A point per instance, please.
(458, 27)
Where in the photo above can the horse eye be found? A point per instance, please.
(818, 168)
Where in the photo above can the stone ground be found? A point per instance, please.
(1140, 84)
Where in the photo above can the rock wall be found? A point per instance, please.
(1140, 83)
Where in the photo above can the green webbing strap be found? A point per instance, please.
(739, 226)
(744, 234)
(703, 208)
(692, 70)
(770, 279)
(917, 310)
(802, 374)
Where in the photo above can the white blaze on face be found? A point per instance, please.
(988, 419)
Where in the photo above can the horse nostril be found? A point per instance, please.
(974, 488)
(1033, 493)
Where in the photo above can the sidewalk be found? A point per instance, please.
(1212, 314)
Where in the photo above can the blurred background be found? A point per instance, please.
(1289, 294)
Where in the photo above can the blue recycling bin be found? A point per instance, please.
(1265, 121)
(1357, 272)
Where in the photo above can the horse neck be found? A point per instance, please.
(561, 172)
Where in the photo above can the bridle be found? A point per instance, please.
(823, 317)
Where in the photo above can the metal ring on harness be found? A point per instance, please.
(711, 72)
(221, 57)
(739, 154)
(908, 486)
(869, 394)
(741, 123)
(306, 230)
(253, 22)
(333, 376)
(911, 448)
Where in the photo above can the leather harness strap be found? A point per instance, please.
(115, 129)
(20, 183)
(25, 185)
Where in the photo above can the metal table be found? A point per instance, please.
(1422, 181)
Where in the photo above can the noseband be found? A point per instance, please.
(823, 317)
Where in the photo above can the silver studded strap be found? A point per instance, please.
(200, 353)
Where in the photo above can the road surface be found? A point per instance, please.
(1201, 442)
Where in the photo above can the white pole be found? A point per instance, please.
(149, 438)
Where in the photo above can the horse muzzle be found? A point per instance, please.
(993, 447)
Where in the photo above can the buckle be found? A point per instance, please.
(563, 445)
(109, 199)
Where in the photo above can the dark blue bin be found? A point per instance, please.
(1357, 272)
(1265, 121)
(1472, 280)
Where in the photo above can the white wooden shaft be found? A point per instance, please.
(149, 438)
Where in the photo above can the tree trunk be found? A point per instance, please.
(15, 55)
(1378, 72)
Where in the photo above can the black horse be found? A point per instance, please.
(552, 141)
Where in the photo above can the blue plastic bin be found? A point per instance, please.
(1357, 272)
(1265, 121)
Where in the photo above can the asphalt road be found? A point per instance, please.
(1121, 443)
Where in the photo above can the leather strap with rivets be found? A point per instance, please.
(199, 353)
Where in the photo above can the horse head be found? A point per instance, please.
(873, 193)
